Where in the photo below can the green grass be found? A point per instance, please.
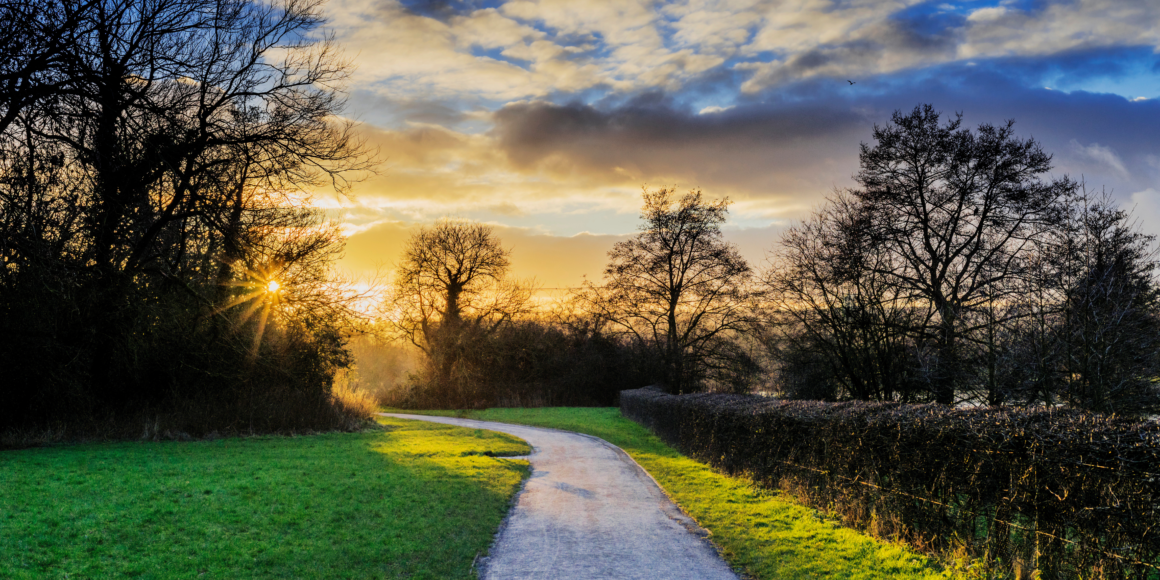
(761, 532)
(418, 500)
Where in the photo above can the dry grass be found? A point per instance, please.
(354, 401)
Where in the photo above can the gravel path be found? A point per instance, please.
(588, 511)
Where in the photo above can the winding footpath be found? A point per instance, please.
(588, 511)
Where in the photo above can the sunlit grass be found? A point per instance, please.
(761, 532)
(419, 500)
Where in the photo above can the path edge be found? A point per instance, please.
(683, 517)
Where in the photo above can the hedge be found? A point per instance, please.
(1064, 492)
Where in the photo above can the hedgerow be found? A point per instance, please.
(1064, 492)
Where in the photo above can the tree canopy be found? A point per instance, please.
(154, 159)
(955, 214)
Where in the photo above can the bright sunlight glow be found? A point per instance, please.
(272, 286)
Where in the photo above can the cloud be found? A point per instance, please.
(440, 9)
(1145, 208)
(409, 54)
(1054, 27)
(872, 38)
(579, 166)
(411, 49)
(776, 153)
(1100, 155)
(548, 116)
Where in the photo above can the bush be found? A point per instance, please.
(528, 364)
(178, 374)
(1068, 493)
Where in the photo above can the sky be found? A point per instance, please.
(546, 118)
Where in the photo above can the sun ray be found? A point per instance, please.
(265, 292)
(261, 330)
(237, 301)
(250, 311)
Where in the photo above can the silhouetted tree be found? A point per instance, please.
(450, 293)
(153, 163)
(840, 329)
(1109, 326)
(956, 212)
(680, 289)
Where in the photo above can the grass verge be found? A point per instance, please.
(417, 500)
(763, 533)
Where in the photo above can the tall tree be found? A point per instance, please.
(1109, 324)
(957, 212)
(840, 328)
(680, 288)
(451, 289)
(152, 149)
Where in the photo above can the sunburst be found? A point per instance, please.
(265, 292)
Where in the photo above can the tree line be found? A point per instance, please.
(956, 271)
(161, 260)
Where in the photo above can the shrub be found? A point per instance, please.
(1066, 492)
(526, 363)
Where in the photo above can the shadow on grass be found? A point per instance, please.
(414, 501)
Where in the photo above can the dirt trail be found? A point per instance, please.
(588, 511)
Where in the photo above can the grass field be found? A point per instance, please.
(764, 534)
(417, 500)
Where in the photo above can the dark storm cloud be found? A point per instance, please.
(805, 138)
(531, 130)
(749, 147)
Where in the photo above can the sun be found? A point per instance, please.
(264, 293)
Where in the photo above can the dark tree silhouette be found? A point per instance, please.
(1109, 324)
(956, 213)
(154, 159)
(678, 287)
(450, 294)
(841, 330)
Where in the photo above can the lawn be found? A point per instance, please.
(761, 532)
(417, 500)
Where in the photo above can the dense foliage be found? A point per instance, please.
(528, 363)
(158, 259)
(1064, 492)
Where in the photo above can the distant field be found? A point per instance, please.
(767, 535)
(419, 500)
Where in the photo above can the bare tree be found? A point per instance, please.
(840, 328)
(450, 290)
(957, 213)
(1109, 318)
(678, 287)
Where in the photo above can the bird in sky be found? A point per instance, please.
(851, 82)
